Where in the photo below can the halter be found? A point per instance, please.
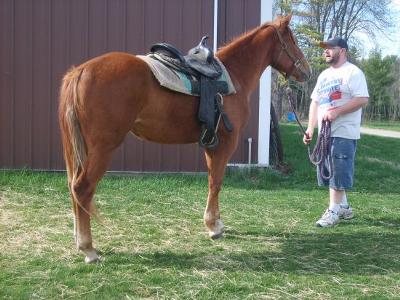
(297, 63)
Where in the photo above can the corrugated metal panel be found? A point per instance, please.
(42, 103)
(60, 61)
(6, 84)
(236, 17)
(41, 39)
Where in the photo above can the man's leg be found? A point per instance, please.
(335, 198)
(331, 216)
(345, 210)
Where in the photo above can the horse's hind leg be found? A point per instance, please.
(83, 188)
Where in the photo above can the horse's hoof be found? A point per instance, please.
(218, 231)
(216, 236)
(92, 257)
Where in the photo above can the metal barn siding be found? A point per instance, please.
(235, 18)
(41, 39)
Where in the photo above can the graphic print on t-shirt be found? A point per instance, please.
(329, 91)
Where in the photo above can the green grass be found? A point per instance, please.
(387, 125)
(155, 245)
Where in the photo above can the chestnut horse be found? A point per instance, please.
(111, 95)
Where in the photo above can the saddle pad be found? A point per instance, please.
(178, 81)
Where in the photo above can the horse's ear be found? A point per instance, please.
(285, 20)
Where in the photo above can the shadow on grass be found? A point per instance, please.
(325, 252)
(307, 181)
(383, 222)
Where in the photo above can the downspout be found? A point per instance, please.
(215, 44)
(264, 117)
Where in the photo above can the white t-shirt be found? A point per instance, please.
(335, 87)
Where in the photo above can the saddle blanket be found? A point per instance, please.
(181, 82)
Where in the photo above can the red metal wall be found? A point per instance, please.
(236, 17)
(41, 39)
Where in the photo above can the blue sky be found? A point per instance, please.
(392, 46)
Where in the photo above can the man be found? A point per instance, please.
(339, 95)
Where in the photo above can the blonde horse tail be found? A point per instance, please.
(74, 144)
(75, 151)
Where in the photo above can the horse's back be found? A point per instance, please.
(116, 66)
(119, 90)
(111, 91)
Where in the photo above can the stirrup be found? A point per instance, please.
(208, 138)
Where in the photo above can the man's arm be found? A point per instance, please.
(351, 106)
(312, 122)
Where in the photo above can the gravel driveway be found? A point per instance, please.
(380, 132)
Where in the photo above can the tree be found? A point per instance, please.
(345, 18)
(317, 20)
(380, 77)
(394, 91)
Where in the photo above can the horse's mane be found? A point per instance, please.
(238, 40)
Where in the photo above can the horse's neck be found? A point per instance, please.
(248, 56)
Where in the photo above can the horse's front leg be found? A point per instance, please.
(212, 218)
(216, 164)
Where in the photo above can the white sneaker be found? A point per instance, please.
(328, 219)
(346, 212)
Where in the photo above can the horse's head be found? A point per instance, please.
(288, 58)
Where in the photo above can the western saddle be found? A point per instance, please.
(204, 70)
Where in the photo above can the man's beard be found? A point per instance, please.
(333, 59)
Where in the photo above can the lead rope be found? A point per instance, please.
(321, 153)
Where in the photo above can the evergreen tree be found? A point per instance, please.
(380, 77)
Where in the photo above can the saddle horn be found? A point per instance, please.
(203, 41)
(202, 51)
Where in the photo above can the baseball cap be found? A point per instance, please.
(335, 42)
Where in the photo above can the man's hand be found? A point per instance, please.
(307, 138)
(351, 106)
(331, 114)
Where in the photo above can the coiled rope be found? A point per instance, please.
(321, 154)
